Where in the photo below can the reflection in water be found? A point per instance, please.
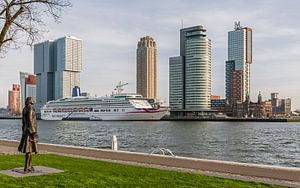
(254, 142)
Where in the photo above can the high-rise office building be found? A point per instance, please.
(146, 67)
(190, 73)
(28, 86)
(238, 64)
(176, 83)
(14, 100)
(57, 65)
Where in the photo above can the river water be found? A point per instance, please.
(272, 143)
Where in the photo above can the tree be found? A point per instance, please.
(21, 21)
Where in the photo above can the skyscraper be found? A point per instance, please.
(28, 86)
(190, 73)
(146, 67)
(57, 65)
(14, 100)
(176, 85)
(238, 64)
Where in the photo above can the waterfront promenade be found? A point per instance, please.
(286, 176)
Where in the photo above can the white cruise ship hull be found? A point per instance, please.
(117, 107)
(126, 116)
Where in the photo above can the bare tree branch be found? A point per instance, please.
(21, 21)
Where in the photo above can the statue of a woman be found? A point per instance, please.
(28, 143)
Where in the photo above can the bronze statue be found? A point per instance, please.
(28, 143)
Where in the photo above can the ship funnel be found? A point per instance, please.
(76, 92)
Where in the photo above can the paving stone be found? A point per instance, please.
(38, 171)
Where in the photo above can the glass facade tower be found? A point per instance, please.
(190, 73)
(176, 86)
(197, 69)
(238, 64)
(57, 65)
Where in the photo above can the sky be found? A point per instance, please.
(110, 30)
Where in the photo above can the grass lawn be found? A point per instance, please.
(92, 173)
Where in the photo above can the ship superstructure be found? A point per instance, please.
(116, 107)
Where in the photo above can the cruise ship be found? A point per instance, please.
(115, 107)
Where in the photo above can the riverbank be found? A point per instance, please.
(166, 118)
(232, 119)
(232, 170)
(10, 117)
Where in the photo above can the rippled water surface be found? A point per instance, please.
(254, 142)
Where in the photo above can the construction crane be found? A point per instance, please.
(119, 87)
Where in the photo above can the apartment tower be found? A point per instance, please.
(238, 64)
(14, 100)
(28, 86)
(146, 67)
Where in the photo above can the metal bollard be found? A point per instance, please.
(114, 143)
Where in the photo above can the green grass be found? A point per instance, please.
(92, 173)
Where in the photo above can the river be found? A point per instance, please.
(273, 143)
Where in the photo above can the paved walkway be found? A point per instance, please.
(8, 150)
(285, 176)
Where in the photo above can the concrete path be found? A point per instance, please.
(286, 176)
(8, 150)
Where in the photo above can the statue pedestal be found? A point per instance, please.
(38, 171)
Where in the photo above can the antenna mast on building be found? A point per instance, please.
(237, 25)
(181, 23)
